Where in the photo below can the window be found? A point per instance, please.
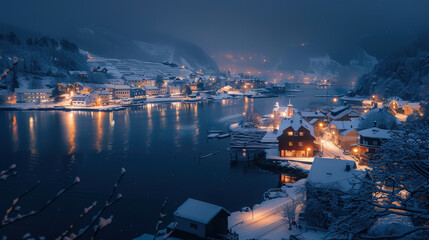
(291, 143)
(193, 225)
(296, 133)
(301, 134)
(300, 144)
(290, 133)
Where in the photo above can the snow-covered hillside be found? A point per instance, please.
(148, 48)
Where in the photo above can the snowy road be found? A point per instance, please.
(330, 150)
(267, 220)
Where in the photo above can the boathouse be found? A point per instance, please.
(200, 220)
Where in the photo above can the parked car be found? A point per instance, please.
(346, 152)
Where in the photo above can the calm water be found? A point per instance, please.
(157, 144)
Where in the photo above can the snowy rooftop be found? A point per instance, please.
(150, 87)
(102, 92)
(77, 72)
(375, 132)
(295, 122)
(26, 90)
(414, 105)
(338, 109)
(311, 114)
(198, 211)
(340, 114)
(332, 174)
(313, 121)
(347, 131)
(341, 125)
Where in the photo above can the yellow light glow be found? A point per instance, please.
(335, 100)
(321, 124)
(355, 150)
(333, 132)
(272, 115)
(308, 149)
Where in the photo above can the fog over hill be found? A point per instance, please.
(149, 47)
(404, 74)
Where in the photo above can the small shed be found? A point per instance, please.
(200, 219)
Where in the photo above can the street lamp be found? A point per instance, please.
(323, 141)
(253, 208)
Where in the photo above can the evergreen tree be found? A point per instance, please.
(15, 83)
(56, 93)
(158, 81)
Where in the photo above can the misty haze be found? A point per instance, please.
(197, 119)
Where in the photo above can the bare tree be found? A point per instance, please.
(289, 211)
(15, 213)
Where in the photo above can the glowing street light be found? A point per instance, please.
(335, 100)
(253, 209)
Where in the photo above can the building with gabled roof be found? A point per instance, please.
(296, 137)
(343, 113)
(200, 220)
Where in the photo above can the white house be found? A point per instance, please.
(24, 95)
(83, 100)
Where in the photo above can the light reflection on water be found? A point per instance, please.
(159, 145)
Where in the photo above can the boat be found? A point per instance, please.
(224, 135)
(213, 135)
(263, 95)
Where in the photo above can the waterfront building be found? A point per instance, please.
(295, 137)
(200, 220)
(24, 95)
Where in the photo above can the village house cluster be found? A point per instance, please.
(358, 128)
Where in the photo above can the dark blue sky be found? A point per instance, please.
(283, 32)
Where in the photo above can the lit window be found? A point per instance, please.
(291, 144)
(290, 133)
(301, 134)
(300, 144)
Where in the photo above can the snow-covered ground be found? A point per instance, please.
(267, 223)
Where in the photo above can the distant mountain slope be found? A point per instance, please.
(103, 42)
(404, 74)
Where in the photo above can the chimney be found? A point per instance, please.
(348, 168)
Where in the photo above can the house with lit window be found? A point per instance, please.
(121, 91)
(81, 75)
(341, 131)
(280, 112)
(151, 90)
(295, 137)
(102, 97)
(200, 220)
(174, 90)
(83, 100)
(24, 95)
(370, 141)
